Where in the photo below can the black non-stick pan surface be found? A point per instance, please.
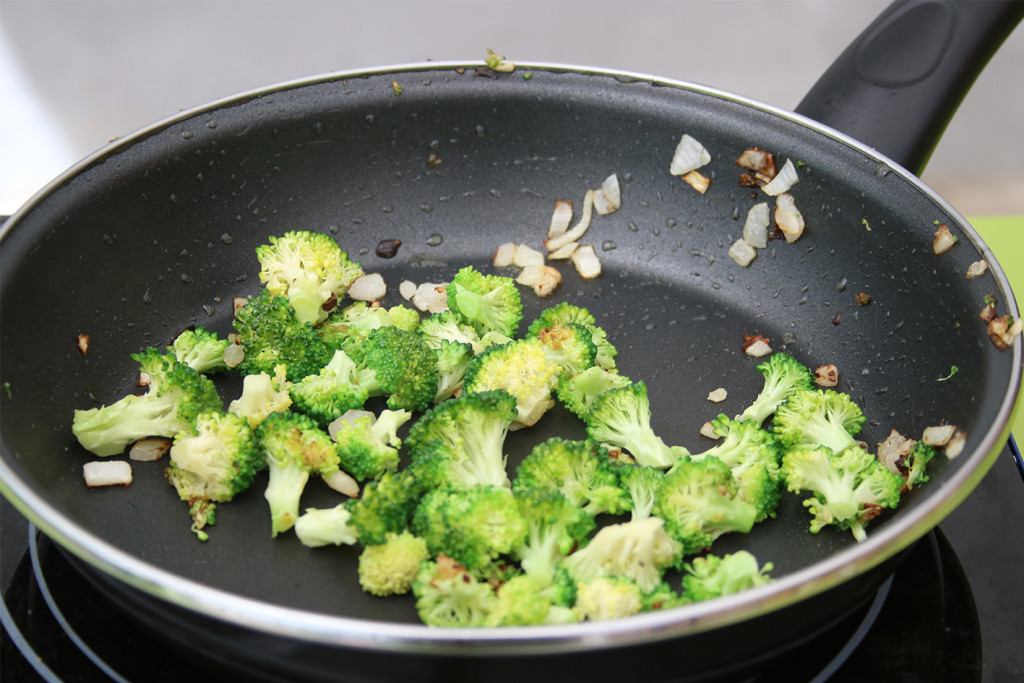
(157, 231)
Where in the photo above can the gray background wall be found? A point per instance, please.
(74, 74)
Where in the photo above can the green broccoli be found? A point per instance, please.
(177, 395)
(461, 441)
(405, 318)
(486, 302)
(850, 488)
(816, 417)
(262, 394)
(641, 485)
(200, 349)
(753, 455)
(448, 595)
(525, 600)
(347, 328)
(607, 597)
(570, 346)
(389, 568)
(317, 527)
(473, 525)
(444, 326)
(309, 269)
(331, 392)
(385, 506)
(520, 367)
(399, 365)
(912, 465)
(567, 313)
(783, 375)
(712, 576)
(295, 446)
(698, 501)
(213, 462)
(368, 445)
(577, 392)
(555, 527)
(271, 334)
(453, 358)
(639, 550)
(621, 418)
(579, 470)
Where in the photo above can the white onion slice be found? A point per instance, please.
(148, 450)
(689, 155)
(718, 395)
(561, 218)
(525, 255)
(586, 262)
(407, 289)
(608, 199)
(431, 297)
(742, 253)
(699, 182)
(938, 435)
(977, 269)
(785, 179)
(504, 255)
(759, 161)
(955, 446)
(234, 354)
(578, 230)
(788, 217)
(563, 253)
(343, 482)
(368, 288)
(707, 429)
(107, 473)
(758, 349)
(755, 228)
(943, 240)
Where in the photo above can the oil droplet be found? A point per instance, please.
(388, 248)
(186, 278)
(841, 285)
(633, 227)
(187, 134)
(426, 208)
(495, 193)
(146, 297)
(209, 310)
(671, 222)
(608, 245)
(318, 127)
(211, 124)
(226, 238)
(110, 240)
(480, 131)
(435, 240)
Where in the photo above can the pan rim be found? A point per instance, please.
(366, 634)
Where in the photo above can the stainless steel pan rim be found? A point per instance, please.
(321, 628)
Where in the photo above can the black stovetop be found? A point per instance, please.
(953, 611)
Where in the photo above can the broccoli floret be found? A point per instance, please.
(621, 418)
(486, 302)
(639, 550)
(577, 392)
(570, 346)
(177, 395)
(262, 394)
(448, 595)
(214, 461)
(473, 526)
(663, 597)
(713, 576)
(201, 350)
(849, 488)
(399, 365)
(385, 506)
(461, 441)
(453, 358)
(815, 417)
(525, 600)
(309, 269)
(521, 368)
(295, 447)
(911, 463)
(405, 318)
(346, 329)
(579, 470)
(389, 568)
(642, 485)
(327, 526)
(270, 335)
(368, 445)
(438, 328)
(331, 392)
(783, 375)
(753, 455)
(566, 313)
(608, 597)
(698, 501)
(554, 528)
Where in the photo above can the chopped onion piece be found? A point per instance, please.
(742, 253)
(431, 297)
(758, 348)
(688, 156)
(939, 435)
(893, 450)
(350, 416)
(755, 228)
(718, 395)
(759, 161)
(530, 275)
(788, 217)
(107, 473)
(586, 262)
(826, 375)
(407, 289)
(504, 255)
(148, 450)
(707, 429)
(561, 218)
(343, 482)
(977, 269)
(368, 288)
(955, 446)
(234, 354)
(783, 180)
(525, 255)
(578, 230)
(697, 181)
(563, 253)
(943, 240)
(548, 283)
(239, 302)
(609, 198)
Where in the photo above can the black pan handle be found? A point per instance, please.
(896, 87)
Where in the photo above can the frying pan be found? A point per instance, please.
(156, 232)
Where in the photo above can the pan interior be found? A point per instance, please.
(158, 234)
